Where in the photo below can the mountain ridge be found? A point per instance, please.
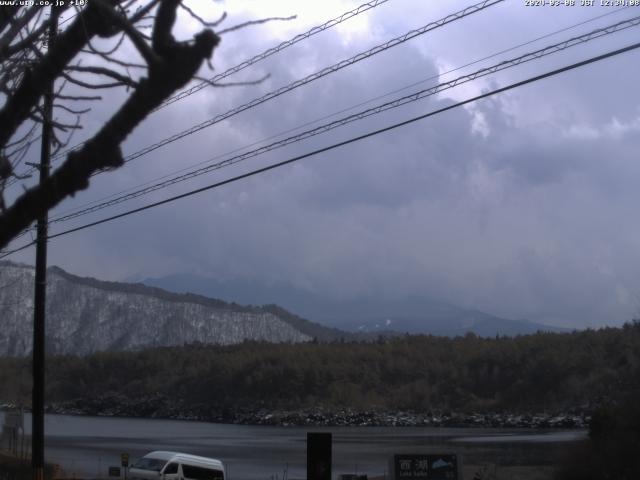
(86, 315)
(369, 315)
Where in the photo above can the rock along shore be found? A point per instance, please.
(161, 407)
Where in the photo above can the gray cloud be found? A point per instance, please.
(522, 205)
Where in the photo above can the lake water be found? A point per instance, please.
(87, 446)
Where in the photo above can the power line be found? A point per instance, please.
(360, 115)
(247, 63)
(360, 137)
(343, 143)
(322, 129)
(271, 51)
(306, 80)
(550, 49)
(325, 117)
(315, 76)
(474, 62)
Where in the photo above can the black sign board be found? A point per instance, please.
(425, 467)
(114, 471)
(318, 456)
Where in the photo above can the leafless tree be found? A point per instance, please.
(82, 59)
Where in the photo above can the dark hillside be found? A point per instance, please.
(533, 373)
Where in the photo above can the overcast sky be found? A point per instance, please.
(522, 205)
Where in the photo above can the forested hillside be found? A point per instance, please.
(85, 315)
(421, 373)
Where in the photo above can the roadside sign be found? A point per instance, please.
(424, 467)
(114, 471)
(124, 459)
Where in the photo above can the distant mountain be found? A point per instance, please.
(85, 315)
(366, 315)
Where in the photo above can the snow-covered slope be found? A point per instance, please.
(86, 315)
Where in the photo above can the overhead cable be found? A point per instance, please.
(339, 144)
(315, 76)
(344, 110)
(241, 66)
(551, 49)
(273, 50)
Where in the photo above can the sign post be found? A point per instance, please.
(124, 461)
(318, 456)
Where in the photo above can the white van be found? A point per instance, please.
(176, 466)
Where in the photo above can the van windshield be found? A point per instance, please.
(200, 473)
(153, 464)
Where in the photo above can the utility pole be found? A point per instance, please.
(37, 400)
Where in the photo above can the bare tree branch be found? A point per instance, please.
(93, 86)
(16, 26)
(71, 110)
(107, 72)
(176, 64)
(134, 35)
(254, 22)
(140, 14)
(50, 66)
(105, 54)
(21, 139)
(202, 21)
(63, 144)
(116, 61)
(6, 52)
(233, 84)
(78, 98)
(59, 125)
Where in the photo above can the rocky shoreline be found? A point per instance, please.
(161, 407)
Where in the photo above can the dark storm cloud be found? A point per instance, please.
(521, 205)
